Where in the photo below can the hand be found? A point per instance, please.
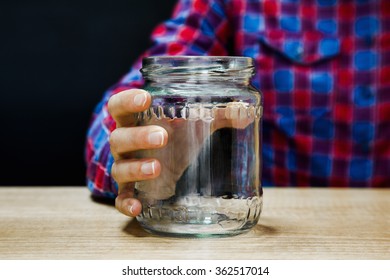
(125, 140)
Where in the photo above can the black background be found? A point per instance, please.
(56, 60)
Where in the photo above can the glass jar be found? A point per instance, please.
(210, 181)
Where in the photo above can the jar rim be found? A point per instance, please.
(198, 65)
(242, 61)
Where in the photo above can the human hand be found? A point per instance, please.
(125, 140)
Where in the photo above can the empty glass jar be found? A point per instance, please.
(210, 178)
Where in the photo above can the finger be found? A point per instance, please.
(123, 105)
(127, 139)
(132, 170)
(126, 204)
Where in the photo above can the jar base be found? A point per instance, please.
(208, 217)
(192, 231)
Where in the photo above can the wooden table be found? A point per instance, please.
(65, 223)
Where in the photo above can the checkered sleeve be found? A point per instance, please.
(197, 27)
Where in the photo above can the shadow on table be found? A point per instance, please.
(265, 230)
(134, 228)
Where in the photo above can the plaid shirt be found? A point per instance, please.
(323, 67)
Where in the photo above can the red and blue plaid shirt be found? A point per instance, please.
(323, 67)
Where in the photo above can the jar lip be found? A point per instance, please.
(172, 60)
(199, 65)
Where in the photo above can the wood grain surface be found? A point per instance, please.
(310, 223)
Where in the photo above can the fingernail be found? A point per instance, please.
(130, 208)
(156, 138)
(148, 168)
(140, 99)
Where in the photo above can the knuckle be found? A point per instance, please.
(124, 171)
(114, 171)
(122, 140)
(117, 172)
(113, 139)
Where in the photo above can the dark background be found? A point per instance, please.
(56, 60)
